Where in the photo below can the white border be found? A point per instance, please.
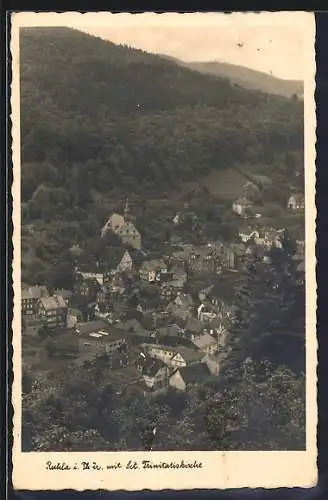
(220, 469)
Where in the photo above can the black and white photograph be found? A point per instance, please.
(164, 183)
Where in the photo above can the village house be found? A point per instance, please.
(178, 218)
(154, 372)
(66, 294)
(222, 297)
(28, 303)
(178, 274)
(98, 340)
(124, 228)
(119, 260)
(296, 202)
(116, 286)
(184, 300)
(87, 287)
(74, 316)
(205, 342)
(230, 256)
(103, 296)
(129, 235)
(151, 270)
(114, 222)
(185, 377)
(248, 233)
(30, 297)
(213, 363)
(172, 329)
(242, 206)
(170, 290)
(202, 260)
(174, 357)
(53, 311)
(270, 238)
(86, 327)
(206, 313)
(179, 257)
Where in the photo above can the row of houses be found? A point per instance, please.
(167, 363)
(242, 206)
(49, 310)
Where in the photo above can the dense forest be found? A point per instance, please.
(103, 116)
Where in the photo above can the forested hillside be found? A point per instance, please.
(101, 121)
(114, 115)
(248, 78)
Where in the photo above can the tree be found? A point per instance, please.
(269, 321)
(259, 407)
(43, 331)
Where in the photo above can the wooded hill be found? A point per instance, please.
(97, 115)
(248, 78)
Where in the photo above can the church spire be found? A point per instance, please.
(126, 209)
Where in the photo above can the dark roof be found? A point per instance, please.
(194, 373)
(114, 256)
(174, 341)
(224, 292)
(152, 366)
(91, 326)
(63, 293)
(193, 325)
(189, 354)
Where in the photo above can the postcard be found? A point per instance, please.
(164, 327)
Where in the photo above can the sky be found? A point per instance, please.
(272, 50)
(277, 43)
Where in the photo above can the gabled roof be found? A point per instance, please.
(114, 255)
(153, 264)
(26, 294)
(152, 366)
(38, 291)
(114, 222)
(53, 302)
(194, 373)
(66, 294)
(185, 299)
(204, 340)
(128, 227)
(189, 354)
(299, 197)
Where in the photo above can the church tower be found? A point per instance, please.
(126, 212)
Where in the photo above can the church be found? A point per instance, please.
(123, 227)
